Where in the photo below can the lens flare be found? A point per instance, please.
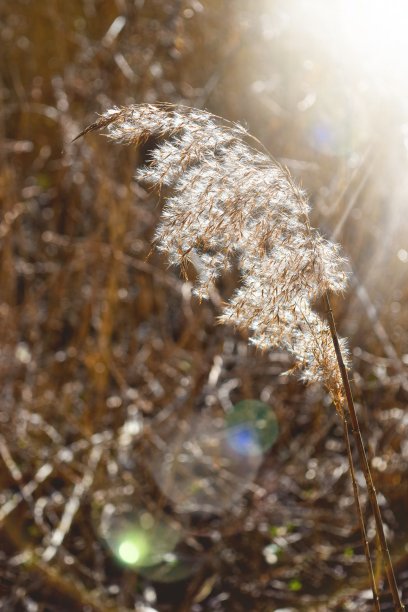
(244, 439)
(211, 461)
(252, 427)
(138, 539)
(129, 552)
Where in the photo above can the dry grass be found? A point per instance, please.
(104, 353)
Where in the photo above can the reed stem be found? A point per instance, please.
(366, 546)
(389, 570)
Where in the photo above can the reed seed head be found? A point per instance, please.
(229, 202)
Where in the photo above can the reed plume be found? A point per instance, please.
(227, 202)
(230, 203)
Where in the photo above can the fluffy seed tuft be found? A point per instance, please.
(231, 202)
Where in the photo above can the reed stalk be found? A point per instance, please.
(227, 202)
(366, 546)
(355, 428)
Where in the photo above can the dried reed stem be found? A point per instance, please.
(355, 428)
(366, 545)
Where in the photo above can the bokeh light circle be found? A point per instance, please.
(129, 552)
(252, 427)
(137, 538)
(211, 461)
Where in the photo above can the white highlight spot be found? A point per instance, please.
(129, 552)
(402, 255)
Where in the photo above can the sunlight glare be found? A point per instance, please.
(368, 35)
(378, 32)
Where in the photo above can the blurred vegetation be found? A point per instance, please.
(109, 366)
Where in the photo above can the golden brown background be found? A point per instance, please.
(94, 333)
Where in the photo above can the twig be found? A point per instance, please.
(73, 504)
